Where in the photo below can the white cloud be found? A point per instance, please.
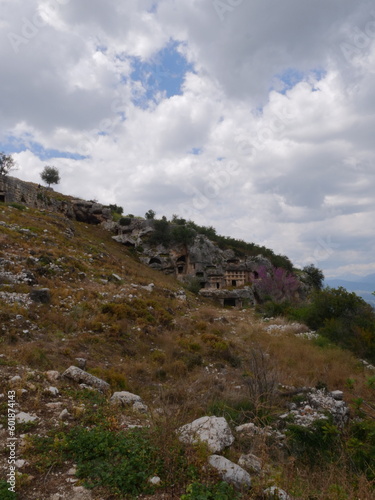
(278, 105)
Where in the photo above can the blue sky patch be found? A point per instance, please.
(164, 72)
(195, 151)
(14, 145)
(291, 76)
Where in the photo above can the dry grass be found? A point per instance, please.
(183, 358)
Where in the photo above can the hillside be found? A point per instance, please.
(70, 295)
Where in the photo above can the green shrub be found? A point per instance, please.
(361, 447)
(5, 494)
(320, 441)
(236, 412)
(343, 318)
(18, 206)
(123, 462)
(220, 491)
(125, 221)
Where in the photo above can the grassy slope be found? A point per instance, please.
(185, 358)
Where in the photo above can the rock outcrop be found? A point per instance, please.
(230, 472)
(13, 190)
(214, 431)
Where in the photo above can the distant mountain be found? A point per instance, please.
(361, 285)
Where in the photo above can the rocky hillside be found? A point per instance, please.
(117, 382)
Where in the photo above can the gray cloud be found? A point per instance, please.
(279, 99)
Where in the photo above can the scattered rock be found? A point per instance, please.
(64, 415)
(315, 406)
(154, 480)
(275, 493)
(80, 376)
(214, 431)
(337, 395)
(52, 390)
(140, 407)
(125, 398)
(25, 418)
(52, 375)
(230, 472)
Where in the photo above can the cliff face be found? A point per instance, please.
(219, 274)
(13, 190)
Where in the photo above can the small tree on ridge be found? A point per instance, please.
(50, 175)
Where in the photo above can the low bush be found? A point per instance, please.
(220, 491)
(315, 443)
(5, 493)
(123, 462)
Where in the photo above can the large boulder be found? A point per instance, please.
(214, 431)
(82, 377)
(230, 472)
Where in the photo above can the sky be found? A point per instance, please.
(254, 117)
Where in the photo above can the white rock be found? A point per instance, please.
(53, 390)
(250, 427)
(214, 431)
(140, 407)
(273, 492)
(15, 379)
(20, 463)
(25, 418)
(52, 375)
(80, 376)
(125, 398)
(64, 414)
(154, 480)
(230, 472)
(337, 395)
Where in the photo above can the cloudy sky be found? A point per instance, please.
(254, 116)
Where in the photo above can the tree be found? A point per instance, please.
(150, 215)
(314, 276)
(50, 175)
(6, 164)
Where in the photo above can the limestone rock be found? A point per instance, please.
(52, 375)
(25, 418)
(52, 390)
(214, 431)
(80, 376)
(64, 415)
(230, 472)
(275, 493)
(128, 399)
